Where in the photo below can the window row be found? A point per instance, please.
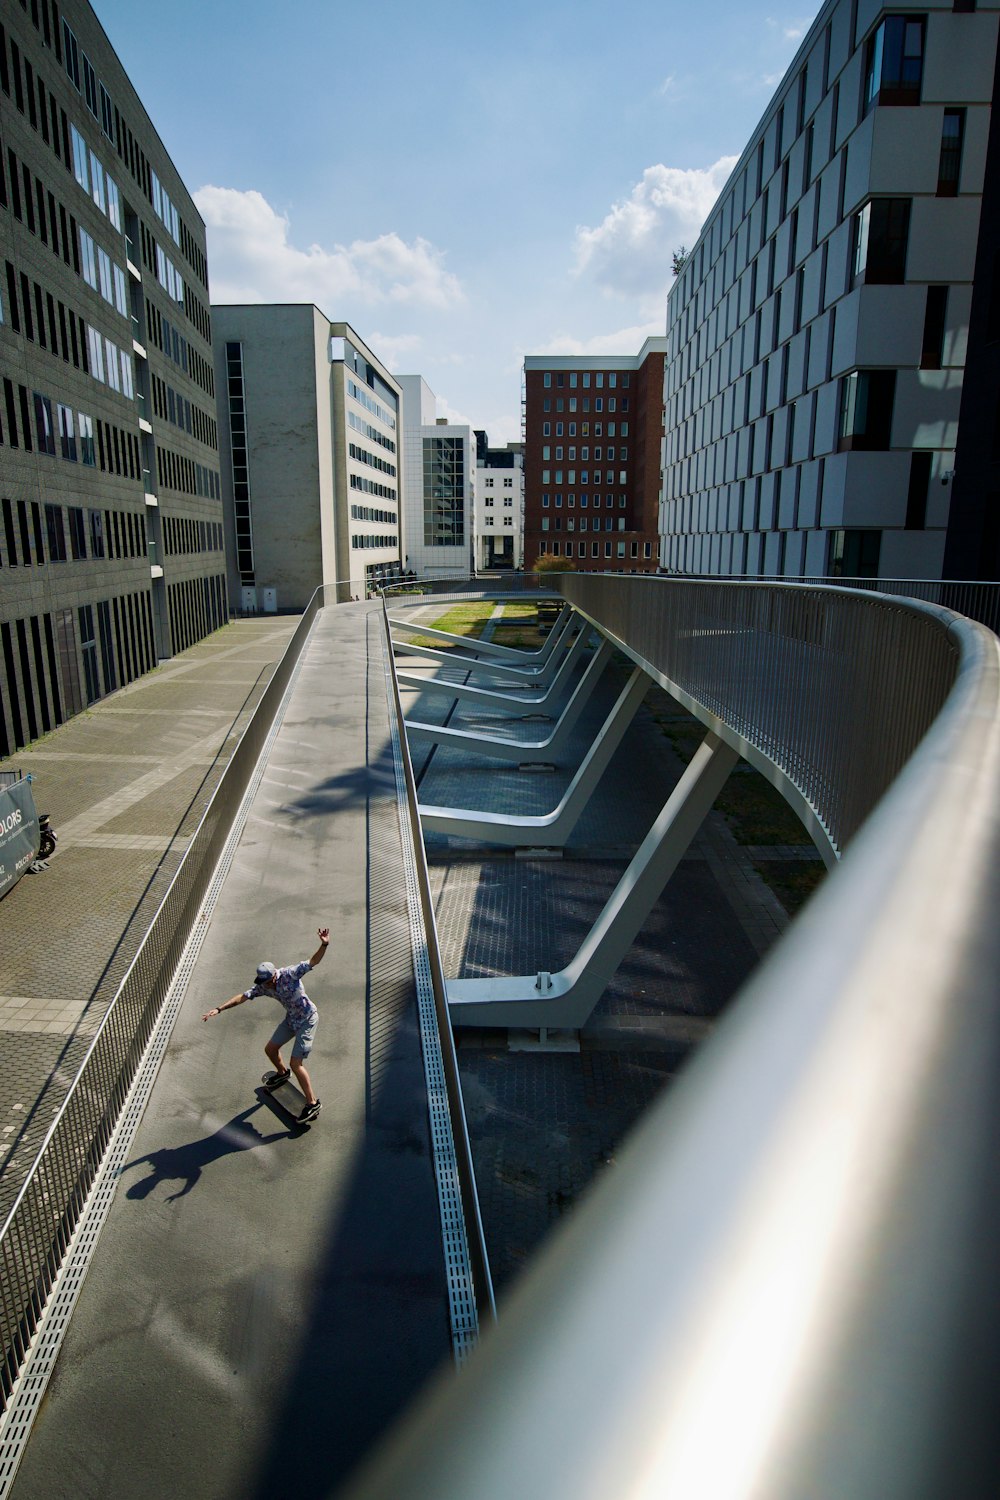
(611, 523)
(367, 542)
(35, 205)
(371, 487)
(175, 408)
(109, 364)
(36, 533)
(42, 656)
(370, 404)
(196, 607)
(372, 513)
(621, 430)
(611, 549)
(572, 500)
(176, 472)
(182, 534)
(171, 342)
(609, 476)
(362, 456)
(583, 403)
(43, 319)
(97, 183)
(571, 378)
(101, 273)
(29, 421)
(372, 433)
(585, 455)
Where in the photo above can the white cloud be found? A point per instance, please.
(395, 349)
(629, 252)
(622, 341)
(792, 30)
(254, 260)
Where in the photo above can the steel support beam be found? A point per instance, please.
(511, 654)
(497, 696)
(523, 752)
(567, 998)
(551, 829)
(536, 675)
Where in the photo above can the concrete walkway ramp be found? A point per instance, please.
(265, 1299)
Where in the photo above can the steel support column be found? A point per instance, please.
(567, 998)
(551, 829)
(523, 752)
(498, 696)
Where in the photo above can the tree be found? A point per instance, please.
(679, 259)
(547, 563)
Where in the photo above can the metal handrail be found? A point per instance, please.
(36, 1233)
(786, 1284)
(475, 1234)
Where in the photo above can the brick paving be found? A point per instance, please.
(125, 783)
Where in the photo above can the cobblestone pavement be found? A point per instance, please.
(545, 1124)
(126, 783)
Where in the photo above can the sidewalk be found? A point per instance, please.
(126, 783)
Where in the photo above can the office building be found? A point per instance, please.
(498, 526)
(818, 329)
(111, 545)
(438, 487)
(593, 430)
(309, 435)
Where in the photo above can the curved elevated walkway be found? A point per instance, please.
(263, 1300)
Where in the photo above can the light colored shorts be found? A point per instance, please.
(304, 1037)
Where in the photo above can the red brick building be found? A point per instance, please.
(592, 443)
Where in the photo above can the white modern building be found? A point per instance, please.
(498, 527)
(439, 477)
(309, 424)
(818, 328)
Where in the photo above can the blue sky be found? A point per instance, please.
(464, 185)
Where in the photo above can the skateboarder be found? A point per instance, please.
(299, 1024)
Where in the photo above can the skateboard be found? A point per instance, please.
(293, 1102)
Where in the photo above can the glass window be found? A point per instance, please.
(547, 379)
(950, 163)
(881, 238)
(114, 202)
(88, 259)
(97, 183)
(866, 402)
(894, 62)
(44, 430)
(56, 533)
(67, 434)
(104, 275)
(87, 453)
(80, 158)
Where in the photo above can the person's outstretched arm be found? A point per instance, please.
(236, 1000)
(324, 941)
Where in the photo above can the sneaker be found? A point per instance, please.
(310, 1112)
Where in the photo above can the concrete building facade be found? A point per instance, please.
(498, 527)
(111, 539)
(593, 430)
(818, 328)
(439, 487)
(309, 440)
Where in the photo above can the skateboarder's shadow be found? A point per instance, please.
(186, 1163)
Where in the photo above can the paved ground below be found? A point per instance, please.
(126, 783)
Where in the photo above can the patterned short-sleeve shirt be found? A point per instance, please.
(288, 990)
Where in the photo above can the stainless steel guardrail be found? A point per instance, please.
(465, 1171)
(826, 690)
(786, 1286)
(37, 1231)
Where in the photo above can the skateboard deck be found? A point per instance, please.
(286, 1094)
